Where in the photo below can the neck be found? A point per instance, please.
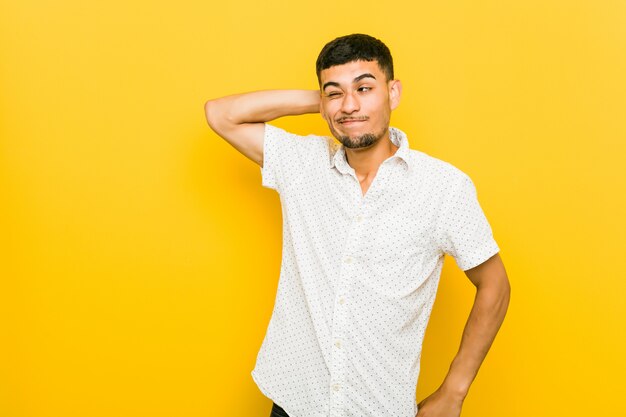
(365, 161)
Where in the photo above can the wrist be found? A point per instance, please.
(455, 387)
(313, 100)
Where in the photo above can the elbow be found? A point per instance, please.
(209, 113)
(497, 289)
(218, 116)
(498, 296)
(504, 292)
(506, 285)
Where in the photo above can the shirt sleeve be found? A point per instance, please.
(463, 230)
(270, 143)
(286, 155)
(278, 145)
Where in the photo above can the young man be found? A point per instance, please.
(366, 226)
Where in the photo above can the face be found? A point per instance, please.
(357, 100)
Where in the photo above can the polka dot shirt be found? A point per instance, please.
(359, 273)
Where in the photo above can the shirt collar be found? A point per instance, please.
(396, 136)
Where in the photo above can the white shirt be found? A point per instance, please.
(359, 273)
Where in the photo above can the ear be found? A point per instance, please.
(395, 91)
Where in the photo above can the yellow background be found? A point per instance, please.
(139, 254)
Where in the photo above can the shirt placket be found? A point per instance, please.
(349, 267)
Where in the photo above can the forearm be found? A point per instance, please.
(240, 118)
(261, 106)
(485, 319)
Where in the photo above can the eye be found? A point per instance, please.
(334, 94)
(364, 88)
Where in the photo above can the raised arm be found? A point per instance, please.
(240, 118)
(490, 305)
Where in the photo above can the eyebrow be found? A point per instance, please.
(356, 80)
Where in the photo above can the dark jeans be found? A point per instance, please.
(278, 412)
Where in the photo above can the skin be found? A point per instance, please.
(356, 101)
(488, 311)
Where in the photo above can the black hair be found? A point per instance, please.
(355, 47)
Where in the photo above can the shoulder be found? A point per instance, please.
(303, 146)
(276, 133)
(435, 171)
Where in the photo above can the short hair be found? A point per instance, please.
(355, 47)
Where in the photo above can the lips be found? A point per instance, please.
(351, 121)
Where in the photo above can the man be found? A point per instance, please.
(366, 226)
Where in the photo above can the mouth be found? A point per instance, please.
(349, 121)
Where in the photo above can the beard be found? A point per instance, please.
(361, 141)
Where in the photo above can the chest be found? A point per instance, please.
(390, 216)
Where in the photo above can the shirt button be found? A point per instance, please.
(342, 300)
(338, 344)
(348, 260)
(359, 218)
(336, 387)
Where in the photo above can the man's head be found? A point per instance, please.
(355, 47)
(355, 74)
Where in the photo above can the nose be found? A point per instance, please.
(350, 104)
